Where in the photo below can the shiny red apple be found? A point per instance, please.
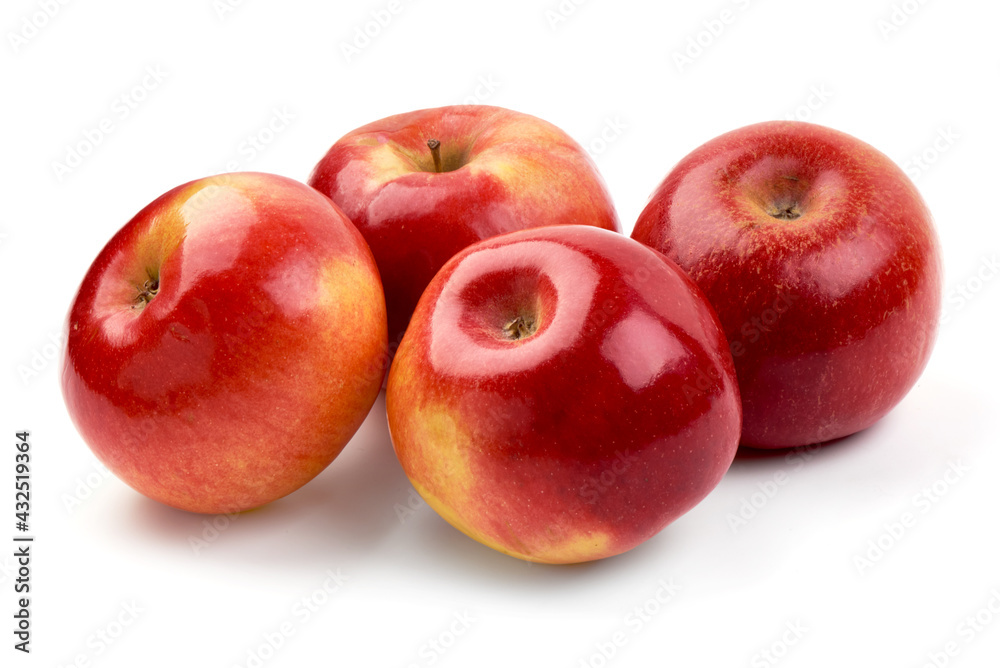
(562, 394)
(423, 185)
(226, 343)
(822, 262)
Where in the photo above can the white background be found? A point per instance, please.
(417, 592)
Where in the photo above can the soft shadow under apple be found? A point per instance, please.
(340, 516)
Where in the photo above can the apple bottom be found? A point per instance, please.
(605, 495)
(227, 454)
(797, 397)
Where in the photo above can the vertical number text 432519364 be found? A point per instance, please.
(22, 542)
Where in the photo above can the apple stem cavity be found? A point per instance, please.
(786, 206)
(520, 327)
(784, 211)
(146, 294)
(435, 146)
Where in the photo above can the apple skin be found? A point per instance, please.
(831, 315)
(501, 171)
(585, 438)
(254, 363)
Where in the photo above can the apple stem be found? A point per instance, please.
(519, 328)
(785, 212)
(435, 146)
(149, 290)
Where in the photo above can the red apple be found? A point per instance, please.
(226, 343)
(822, 263)
(492, 171)
(562, 394)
